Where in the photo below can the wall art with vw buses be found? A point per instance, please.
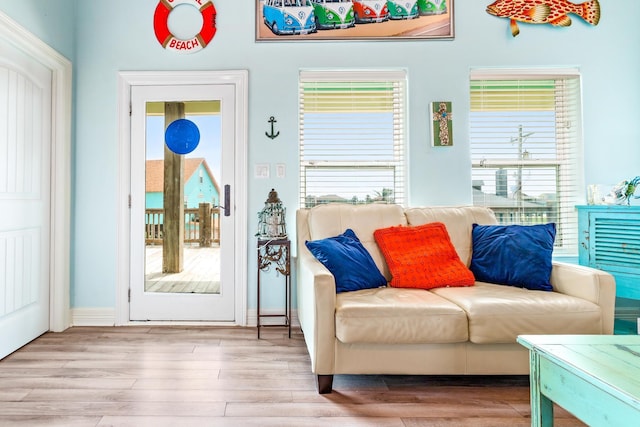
(295, 20)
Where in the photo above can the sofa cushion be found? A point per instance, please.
(514, 255)
(348, 261)
(422, 257)
(398, 316)
(333, 218)
(498, 314)
(458, 221)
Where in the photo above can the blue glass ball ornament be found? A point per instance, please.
(182, 136)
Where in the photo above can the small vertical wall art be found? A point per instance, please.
(441, 124)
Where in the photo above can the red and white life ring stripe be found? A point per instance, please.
(169, 41)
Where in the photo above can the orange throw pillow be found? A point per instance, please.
(422, 257)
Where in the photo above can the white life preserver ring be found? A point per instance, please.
(169, 41)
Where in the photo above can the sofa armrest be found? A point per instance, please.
(587, 283)
(316, 311)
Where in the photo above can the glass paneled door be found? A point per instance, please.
(182, 208)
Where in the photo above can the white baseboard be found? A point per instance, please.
(252, 317)
(93, 317)
(107, 317)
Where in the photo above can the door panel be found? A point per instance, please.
(25, 141)
(202, 288)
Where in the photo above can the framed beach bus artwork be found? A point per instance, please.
(302, 20)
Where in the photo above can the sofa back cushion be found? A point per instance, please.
(459, 222)
(333, 219)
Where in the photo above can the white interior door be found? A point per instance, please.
(203, 289)
(25, 144)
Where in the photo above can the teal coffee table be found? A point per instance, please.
(595, 377)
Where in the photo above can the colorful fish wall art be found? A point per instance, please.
(554, 12)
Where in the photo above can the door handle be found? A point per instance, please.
(227, 200)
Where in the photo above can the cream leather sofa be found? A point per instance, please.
(443, 331)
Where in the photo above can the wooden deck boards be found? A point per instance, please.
(201, 272)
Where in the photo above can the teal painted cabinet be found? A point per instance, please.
(609, 239)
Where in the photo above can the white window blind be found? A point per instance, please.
(352, 137)
(526, 140)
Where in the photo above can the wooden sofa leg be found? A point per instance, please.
(324, 383)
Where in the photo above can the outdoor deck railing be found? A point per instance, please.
(201, 225)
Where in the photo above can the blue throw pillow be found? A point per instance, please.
(348, 261)
(514, 255)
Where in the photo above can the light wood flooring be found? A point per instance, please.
(201, 273)
(215, 376)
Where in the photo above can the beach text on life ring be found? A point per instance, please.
(169, 41)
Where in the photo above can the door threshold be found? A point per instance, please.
(180, 323)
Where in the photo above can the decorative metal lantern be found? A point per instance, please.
(271, 219)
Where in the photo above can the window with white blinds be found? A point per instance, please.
(352, 137)
(526, 139)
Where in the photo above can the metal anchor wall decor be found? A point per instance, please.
(272, 135)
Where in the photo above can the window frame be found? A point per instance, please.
(398, 167)
(569, 180)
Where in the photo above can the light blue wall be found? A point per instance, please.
(53, 21)
(119, 36)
